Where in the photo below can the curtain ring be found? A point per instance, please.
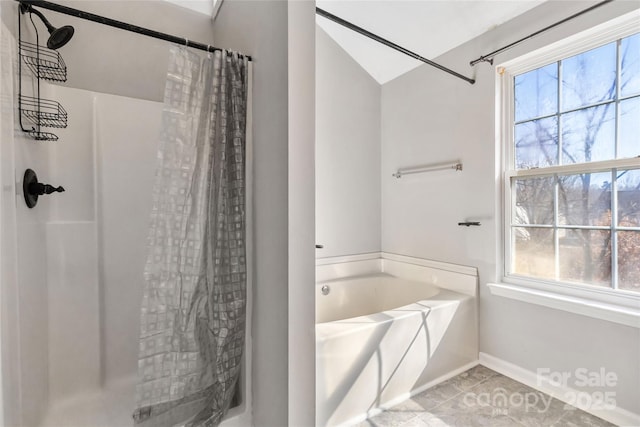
(186, 42)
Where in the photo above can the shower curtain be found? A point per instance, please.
(194, 301)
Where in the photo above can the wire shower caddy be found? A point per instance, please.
(45, 64)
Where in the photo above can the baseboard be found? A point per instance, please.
(618, 416)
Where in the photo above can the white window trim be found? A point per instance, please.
(615, 313)
(617, 305)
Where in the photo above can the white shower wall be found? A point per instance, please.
(75, 299)
(127, 133)
(23, 261)
(96, 237)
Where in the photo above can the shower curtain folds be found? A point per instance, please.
(194, 302)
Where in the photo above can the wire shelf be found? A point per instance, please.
(43, 62)
(42, 136)
(43, 112)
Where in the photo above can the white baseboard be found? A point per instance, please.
(618, 416)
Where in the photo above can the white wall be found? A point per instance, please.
(31, 302)
(23, 250)
(5, 55)
(242, 25)
(348, 190)
(302, 122)
(429, 116)
(72, 283)
(282, 48)
(97, 237)
(126, 164)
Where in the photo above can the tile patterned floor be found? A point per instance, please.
(482, 397)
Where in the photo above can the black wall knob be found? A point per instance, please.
(31, 188)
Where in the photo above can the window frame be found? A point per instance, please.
(623, 26)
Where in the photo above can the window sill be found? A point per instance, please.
(629, 316)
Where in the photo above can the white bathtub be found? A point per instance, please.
(381, 338)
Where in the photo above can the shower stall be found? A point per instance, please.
(72, 266)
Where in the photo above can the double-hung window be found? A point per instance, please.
(571, 140)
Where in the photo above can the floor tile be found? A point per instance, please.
(390, 419)
(578, 418)
(538, 409)
(464, 411)
(481, 397)
(417, 421)
(365, 423)
(468, 419)
(431, 397)
(472, 377)
(499, 383)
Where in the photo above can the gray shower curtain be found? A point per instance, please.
(193, 308)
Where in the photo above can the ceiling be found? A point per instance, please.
(205, 7)
(426, 27)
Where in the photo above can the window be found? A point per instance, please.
(572, 165)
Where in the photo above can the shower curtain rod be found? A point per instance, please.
(489, 56)
(121, 25)
(387, 43)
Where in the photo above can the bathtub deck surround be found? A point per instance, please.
(389, 327)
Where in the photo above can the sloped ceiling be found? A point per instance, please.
(206, 7)
(426, 27)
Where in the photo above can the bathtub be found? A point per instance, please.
(381, 337)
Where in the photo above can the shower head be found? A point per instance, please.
(58, 37)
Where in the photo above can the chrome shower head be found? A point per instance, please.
(58, 37)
